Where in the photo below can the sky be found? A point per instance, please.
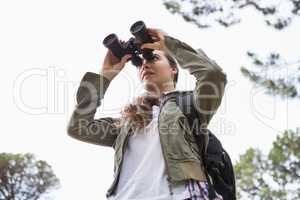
(47, 47)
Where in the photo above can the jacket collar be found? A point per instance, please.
(165, 95)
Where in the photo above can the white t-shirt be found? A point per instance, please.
(143, 175)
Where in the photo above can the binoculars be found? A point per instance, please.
(132, 46)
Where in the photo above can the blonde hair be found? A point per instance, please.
(139, 113)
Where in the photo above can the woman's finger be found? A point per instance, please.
(125, 58)
(155, 39)
(155, 45)
(123, 61)
(152, 32)
(156, 31)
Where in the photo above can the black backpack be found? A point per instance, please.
(217, 163)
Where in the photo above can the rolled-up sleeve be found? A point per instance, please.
(82, 125)
(210, 78)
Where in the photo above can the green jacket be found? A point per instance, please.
(178, 146)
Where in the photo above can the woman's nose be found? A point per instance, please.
(145, 65)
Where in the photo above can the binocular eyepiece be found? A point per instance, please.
(133, 45)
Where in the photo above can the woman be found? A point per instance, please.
(156, 157)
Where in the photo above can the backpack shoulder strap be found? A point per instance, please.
(186, 102)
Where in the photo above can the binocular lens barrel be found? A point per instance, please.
(139, 30)
(132, 46)
(113, 44)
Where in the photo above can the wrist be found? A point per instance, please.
(107, 75)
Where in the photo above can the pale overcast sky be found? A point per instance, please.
(47, 46)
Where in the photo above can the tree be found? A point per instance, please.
(277, 14)
(204, 13)
(278, 76)
(22, 177)
(272, 177)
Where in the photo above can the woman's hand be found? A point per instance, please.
(112, 65)
(159, 40)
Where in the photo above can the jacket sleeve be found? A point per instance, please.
(210, 78)
(82, 125)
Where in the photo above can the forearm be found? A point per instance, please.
(109, 75)
(210, 78)
(82, 125)
(189, 58)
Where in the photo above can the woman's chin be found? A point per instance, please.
(150, 85)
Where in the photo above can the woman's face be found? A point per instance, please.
(158, 73)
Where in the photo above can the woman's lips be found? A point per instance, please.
(147, 74)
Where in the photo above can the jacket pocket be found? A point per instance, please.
(179, 148)
(191, 169)
(188, 139)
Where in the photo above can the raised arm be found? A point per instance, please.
(210, 78)
(82, 125)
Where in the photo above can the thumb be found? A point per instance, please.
(123, 61)
(125, 58)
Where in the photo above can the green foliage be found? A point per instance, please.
(265, 71)
(272, 177)
(22, 177)
(204, 13)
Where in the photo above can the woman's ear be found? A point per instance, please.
(174, 70)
